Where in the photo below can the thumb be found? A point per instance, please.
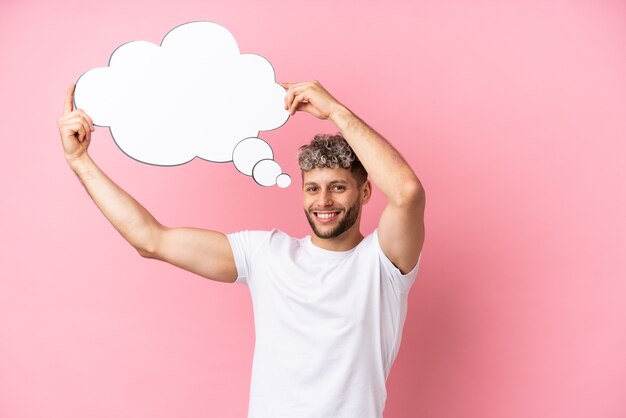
(69, 100)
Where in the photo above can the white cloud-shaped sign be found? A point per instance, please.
(193, 96)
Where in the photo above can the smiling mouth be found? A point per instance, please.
(326, 215)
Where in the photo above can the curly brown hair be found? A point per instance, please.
(331, 151)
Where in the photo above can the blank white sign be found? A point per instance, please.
(193, 96)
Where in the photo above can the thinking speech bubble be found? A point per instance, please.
(193, 96)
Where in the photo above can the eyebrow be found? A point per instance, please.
(312, 183)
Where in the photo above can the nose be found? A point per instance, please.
(325, 199)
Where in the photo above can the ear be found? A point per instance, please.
(366, 191)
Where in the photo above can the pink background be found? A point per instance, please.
(513, 114)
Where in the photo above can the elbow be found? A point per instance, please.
(148, 247)
(145, 253)
(410, 194)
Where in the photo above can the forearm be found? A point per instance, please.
(386, 167)
(128, 217)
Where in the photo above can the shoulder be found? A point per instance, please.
(370, 241)
(373, 243)
(256, 238)
(279, 238)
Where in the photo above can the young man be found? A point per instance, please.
(328, 308)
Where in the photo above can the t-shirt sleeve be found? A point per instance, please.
(245, 245)
(402, 281)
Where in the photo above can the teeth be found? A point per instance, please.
(326, 215)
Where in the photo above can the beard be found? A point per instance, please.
(344, 224)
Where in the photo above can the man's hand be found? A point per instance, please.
(310, 97)
(75, 127)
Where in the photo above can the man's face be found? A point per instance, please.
(332, 200)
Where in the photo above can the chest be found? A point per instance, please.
(302, 289)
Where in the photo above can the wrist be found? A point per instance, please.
(80, 163)
(339, 115)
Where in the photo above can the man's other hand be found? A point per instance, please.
(75, 127)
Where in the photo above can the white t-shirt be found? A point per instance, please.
(328, 324)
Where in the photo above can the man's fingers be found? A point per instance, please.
(288, 98)
(87, 118)
(291, 94)
(300, 98)
(293, 90)
(69, 100)
(76, 127)
(77, 117)
(86, 127)
(79, 132)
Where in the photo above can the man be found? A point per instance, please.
(328, 308)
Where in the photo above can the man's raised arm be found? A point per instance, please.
(203, 252)
(401, 226)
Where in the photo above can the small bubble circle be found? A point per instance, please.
(283, 180)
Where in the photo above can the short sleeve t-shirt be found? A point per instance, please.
(328, 324)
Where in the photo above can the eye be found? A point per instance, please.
(311, 189)
(338, 187)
